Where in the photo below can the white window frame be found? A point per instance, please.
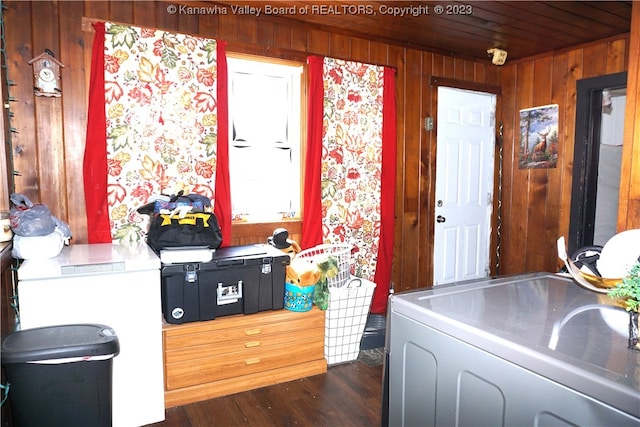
(273, 180)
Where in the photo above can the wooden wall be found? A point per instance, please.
(49, 146)
(629, 211)
(536, 202)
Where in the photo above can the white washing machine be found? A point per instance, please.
(114, 285)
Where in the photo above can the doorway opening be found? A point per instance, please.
(596, 171)
(609, 164)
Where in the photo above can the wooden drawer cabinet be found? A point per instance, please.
(230, 354)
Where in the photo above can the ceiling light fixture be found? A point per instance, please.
(498, 56)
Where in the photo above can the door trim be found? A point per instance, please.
(465, 85)
(586, 156)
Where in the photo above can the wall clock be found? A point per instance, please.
(46, 74)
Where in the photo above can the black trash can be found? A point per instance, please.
(60, 375)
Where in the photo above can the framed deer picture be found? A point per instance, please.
(538, 137)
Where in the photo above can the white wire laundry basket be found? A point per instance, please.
(345, 320)
(342, 253)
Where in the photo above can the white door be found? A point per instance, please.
(464, 184)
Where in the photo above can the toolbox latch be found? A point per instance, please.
(191, 273)
(266, 268)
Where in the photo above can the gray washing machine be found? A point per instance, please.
(531, 349)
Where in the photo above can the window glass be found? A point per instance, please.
(264, 139)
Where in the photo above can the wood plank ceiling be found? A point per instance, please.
(464, 29)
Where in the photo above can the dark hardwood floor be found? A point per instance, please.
(349, 394)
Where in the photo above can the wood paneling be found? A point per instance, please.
(523, 28)
(535, 203)
(6, 180)
(629, 210)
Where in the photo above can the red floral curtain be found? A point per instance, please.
(157, 124)
(350, 165)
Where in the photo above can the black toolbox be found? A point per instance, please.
(238, 279)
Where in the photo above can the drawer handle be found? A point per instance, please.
(252, 361)
(253, 344)
(252, 331)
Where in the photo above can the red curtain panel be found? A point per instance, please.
(95, 153)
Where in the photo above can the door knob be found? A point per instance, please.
(440, 218)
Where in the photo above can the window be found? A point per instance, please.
(264, 139)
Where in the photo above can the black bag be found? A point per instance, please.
(193, 229)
